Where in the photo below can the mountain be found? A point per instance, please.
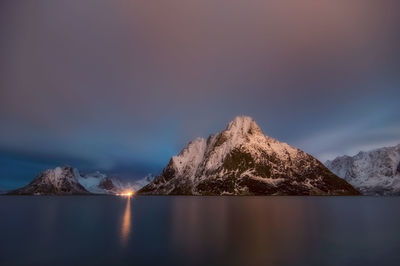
(61, 180)
(99, 183)
(242, 161)
(138, 184)
(67, 180)
(375, 172)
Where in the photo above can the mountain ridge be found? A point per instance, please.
(241, 160)
(374, 172)
(65, 180)
(60, 180)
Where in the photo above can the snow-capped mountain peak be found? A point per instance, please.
(241, 160)
(59, 175)
(60, 180)
(242, 125)
(68, 180)
(100, 183)
(375, 172)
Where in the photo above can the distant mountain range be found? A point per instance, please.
(241, 160)
(68, 181)
(375, 172)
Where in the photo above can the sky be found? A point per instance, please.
(121, 86)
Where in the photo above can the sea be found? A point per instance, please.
(191, 230)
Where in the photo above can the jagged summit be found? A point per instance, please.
(375, 172)
(243, 125)
(240, 160)
(66, 180)
(60, 180)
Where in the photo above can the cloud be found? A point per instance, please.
(349, 140)
(113, 83)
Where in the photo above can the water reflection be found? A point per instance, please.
(226, 228)
(279, 231)
(126, 223)
(194, 220)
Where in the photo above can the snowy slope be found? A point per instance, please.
(99, 183)
(60, 180)
(138, 184)
(375, 172)
(242, 161)
(68, 180)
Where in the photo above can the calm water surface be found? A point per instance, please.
(96, 230)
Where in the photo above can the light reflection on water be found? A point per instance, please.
(147, 230)
(241, 231)
(126, 223)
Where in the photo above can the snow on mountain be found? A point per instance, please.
(68, 180)
(242, 161)
(99, 183)
(138, 184)
(375, 172)
(60, 180)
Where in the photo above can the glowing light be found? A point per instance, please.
(126, 194)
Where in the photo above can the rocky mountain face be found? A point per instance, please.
(374, 172)
(67, 180)
(99, 183)
(138, 184)
(61, 180)
(241, 160)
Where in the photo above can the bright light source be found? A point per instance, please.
(126, 194)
